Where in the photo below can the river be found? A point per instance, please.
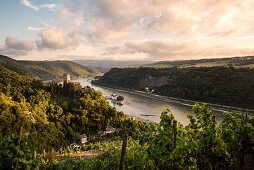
(148, 108)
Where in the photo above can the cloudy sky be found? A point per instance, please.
(126, 29)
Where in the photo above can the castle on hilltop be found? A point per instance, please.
(68, 78)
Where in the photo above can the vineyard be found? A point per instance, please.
(203, 144)
(40, 124)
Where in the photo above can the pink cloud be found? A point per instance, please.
(56, 38)
(173, 29)
(14, 43)
(15, 47)
(172, 49)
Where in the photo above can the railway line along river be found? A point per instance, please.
(147, 107)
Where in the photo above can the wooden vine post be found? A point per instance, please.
(213, 162)
(213, 119)
(19, 139)
(174, 134)
(246, 119)
(125, 142)
(18, 144)
(174, 138)
(243, 157)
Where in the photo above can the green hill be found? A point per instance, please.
(47, 70)
(238, 62)
(54, 115)
(222, 85)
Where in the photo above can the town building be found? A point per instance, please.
(110, 129)
(83, 139)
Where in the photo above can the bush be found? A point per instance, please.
(23, 157)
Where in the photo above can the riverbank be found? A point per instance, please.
(215, 107)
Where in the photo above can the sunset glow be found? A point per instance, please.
(126, 29)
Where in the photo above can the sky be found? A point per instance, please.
(126, 29)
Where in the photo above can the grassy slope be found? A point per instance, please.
(245, 61)
(47, 70)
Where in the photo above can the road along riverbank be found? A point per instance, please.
(186, 102)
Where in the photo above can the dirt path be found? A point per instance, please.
(74, 156)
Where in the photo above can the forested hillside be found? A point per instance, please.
(223, 85)
(54, 115)
(47, 70)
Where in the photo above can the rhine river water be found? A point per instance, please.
(145, 107)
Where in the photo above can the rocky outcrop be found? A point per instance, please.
(149, 81)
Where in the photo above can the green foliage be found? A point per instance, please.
(200, 145)
(55, 115)
(107, 160)
(237, 131)
(22, 157)
(135, 159)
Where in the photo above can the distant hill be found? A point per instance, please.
(244, 61)
(47, 70)
(105, 65)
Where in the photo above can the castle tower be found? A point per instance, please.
(68, 78)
